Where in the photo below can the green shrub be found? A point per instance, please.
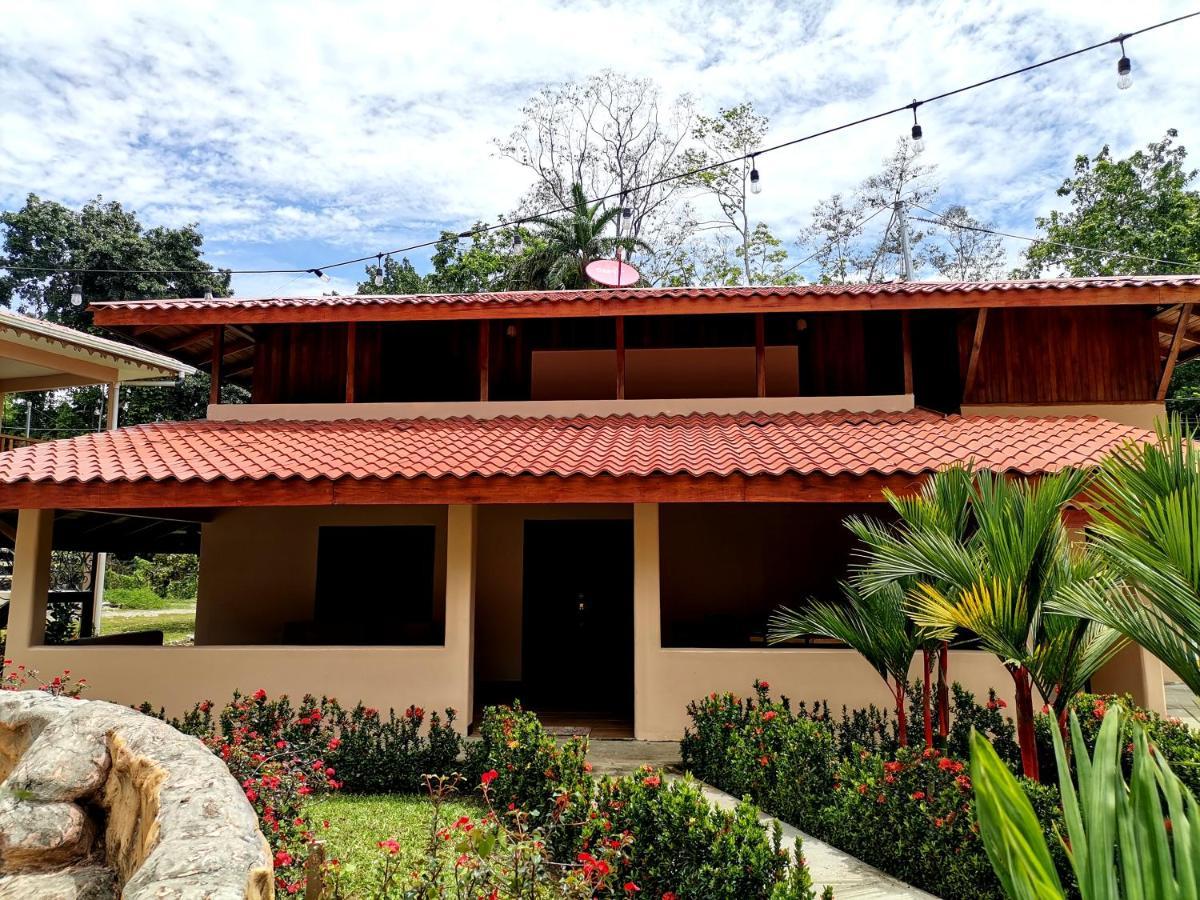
(988, 719)
(533, 771)
(763, 750)
(133, 598)
(1175, 740)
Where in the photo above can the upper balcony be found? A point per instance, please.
(803, 348)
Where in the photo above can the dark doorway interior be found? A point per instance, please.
(577, 637)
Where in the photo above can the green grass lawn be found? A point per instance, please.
(142, 598)
(174, 626)
(357, 823)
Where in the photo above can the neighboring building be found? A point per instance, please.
(588, 499)
(36, 355)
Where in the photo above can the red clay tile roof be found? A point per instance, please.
(624, 445)
(106, 311)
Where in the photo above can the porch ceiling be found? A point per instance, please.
(823, 457)
(134, 531)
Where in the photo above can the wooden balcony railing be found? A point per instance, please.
(12, 441)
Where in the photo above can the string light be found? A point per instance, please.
(755, 181)
(918, 136)
(77, 294)
(1124, 68)
(208, 294)
(379, 269)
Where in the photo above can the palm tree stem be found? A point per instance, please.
(1025, 732)
(943, 692)
(926, 678)
(901, 716)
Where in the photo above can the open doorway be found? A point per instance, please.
(577, 636)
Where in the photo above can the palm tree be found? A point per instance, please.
(1148, 530)
(1014, 557)
(873, 624)
(570, 242)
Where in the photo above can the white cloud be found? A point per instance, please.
(299, 133)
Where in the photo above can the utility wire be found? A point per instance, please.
(946, 223)
(509, 223)
(829, 243)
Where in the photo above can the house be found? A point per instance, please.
(36, 355)
(588, 499)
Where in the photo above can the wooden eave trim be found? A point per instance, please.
(474, 489)
(1045, 297)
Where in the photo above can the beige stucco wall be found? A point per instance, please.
(1142, 415)
(500, 587)
(177, 677)
(258, 566)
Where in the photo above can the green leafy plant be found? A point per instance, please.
(1148, 496)
(1135, 838)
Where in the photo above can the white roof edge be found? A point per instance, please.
(132, 363)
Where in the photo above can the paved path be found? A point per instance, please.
(1182, 702)
(849, 876)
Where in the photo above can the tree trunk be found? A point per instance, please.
(1025, 732)
(926, 687)
(943, 694)
(901, 716)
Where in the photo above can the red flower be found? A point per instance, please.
(669, 895)
(892, 767)
(768, 715)
(631, 888)
(260, 694)
(918, 795)
(763, 685)
(963, 782)
(651, 781)
(282, 858)
(391, 846)
(764, 761)
(949, 765)
(489, 776)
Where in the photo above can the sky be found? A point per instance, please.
(299, 133)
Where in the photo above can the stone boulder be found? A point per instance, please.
(99, 800)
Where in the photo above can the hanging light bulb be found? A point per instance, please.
(1124, 70)
(626, 211)
(918, 136)
(378, 269)
(208, 294)
(755, 181)
(517, 244)
(320, 274)
(77, 294)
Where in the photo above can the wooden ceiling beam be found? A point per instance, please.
(1164, 383)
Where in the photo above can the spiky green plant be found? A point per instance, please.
(873, 624)
(567, 243)
(994, 578)
(1139, 839)
(1148, 529)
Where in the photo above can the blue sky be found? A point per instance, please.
(298, 133)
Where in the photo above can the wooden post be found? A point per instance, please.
(760, 355)
(314, 872)
(218, 354)
(620, 324)
(973, 360)
(1164, 383)
(485, 341)
(906, 342)
(351, 357)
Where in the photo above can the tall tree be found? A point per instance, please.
(609, 133)
(834, 238)
(573, 240)
(101, 235)
(965, 251)
(1142, 205)
(733, 132)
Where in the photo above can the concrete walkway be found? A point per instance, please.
(1182, 702)
(849, 876)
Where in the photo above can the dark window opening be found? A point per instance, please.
(375, 585)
